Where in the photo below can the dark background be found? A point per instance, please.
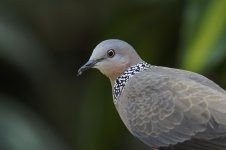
(44, 106)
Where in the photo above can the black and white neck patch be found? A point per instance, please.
(120, 82)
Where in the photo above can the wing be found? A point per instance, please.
(188, 74)
(164, 109)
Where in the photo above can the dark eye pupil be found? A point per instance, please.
(111, 53)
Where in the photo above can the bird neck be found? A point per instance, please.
(121, 81)
(134, 59)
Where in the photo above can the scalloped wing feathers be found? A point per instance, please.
(164, 106)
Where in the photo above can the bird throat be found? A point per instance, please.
(121, 81)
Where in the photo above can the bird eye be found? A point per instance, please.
(111, 53)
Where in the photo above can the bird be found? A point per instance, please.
(166, 108)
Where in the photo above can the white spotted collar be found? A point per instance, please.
(120, 82)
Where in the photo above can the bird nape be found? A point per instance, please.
(166, 108)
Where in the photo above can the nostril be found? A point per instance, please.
(88, 64)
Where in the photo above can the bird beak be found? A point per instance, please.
(88, 65)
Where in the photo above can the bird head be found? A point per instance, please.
(112, 57)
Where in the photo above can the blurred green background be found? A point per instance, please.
(44, 106)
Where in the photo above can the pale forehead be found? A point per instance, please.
(112, 43)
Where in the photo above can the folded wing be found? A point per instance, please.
(163, 108)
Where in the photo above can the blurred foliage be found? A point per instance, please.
(204, 34)
(43, 43)
(21, 129)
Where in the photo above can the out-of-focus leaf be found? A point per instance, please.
(21, 129)
(205, 36)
